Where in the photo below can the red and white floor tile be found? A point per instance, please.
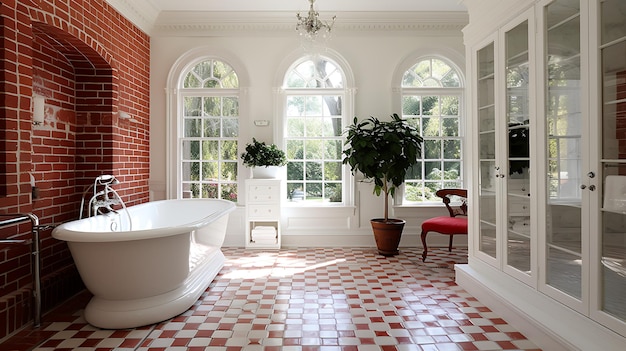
(315, 299)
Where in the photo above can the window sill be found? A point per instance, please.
(301, 204)
(422, 205)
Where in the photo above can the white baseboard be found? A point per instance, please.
(549, 324)
(348, 239)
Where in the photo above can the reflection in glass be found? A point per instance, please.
(518, 126)
(487, 239)
(613, 19)
(563, 125)
(613, 240)
(564, 270)
(487, 149)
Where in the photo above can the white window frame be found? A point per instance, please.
(174, 113)
(210, 93)
(347, 94)
(455, 61)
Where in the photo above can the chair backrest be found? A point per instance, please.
(449, 195)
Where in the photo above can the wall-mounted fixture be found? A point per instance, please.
(39, 109)
(33, 188)
(125, 116)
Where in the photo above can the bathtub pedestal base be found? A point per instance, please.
(122, 314)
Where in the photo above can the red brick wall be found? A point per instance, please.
(89, 63)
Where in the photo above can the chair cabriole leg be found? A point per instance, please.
(424, 245)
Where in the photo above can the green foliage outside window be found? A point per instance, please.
(313, 132)
(437, 117)
(210, 125)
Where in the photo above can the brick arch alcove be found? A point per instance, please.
(88, 63)
(81, 97)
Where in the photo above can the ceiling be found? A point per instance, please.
(303, 5)
(157, 16)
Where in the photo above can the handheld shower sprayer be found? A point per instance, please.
(106, 179)
(105, 200)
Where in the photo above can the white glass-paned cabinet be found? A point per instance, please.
(548, 193)
(504, 131)
(609, 248)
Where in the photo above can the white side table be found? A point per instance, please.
(263, 213)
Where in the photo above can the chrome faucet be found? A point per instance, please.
(102, 199)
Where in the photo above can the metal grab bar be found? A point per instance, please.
(11, 241)
(35, 227)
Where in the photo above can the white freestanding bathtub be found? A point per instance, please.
(151, 268)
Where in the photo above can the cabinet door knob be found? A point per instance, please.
(592, 187)
(583, 186)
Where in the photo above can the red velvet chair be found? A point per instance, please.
(448, 225)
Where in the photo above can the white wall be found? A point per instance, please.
(373, 58)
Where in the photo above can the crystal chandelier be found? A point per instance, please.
(311, 27)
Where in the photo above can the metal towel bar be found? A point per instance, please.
(17, 218)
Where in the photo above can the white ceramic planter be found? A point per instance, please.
(270, 172)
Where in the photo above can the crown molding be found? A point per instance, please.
(142, 14)
(179, 23)
(488, 15)
(233, 23)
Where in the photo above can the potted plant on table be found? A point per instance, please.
(383, 151)
(264, 159)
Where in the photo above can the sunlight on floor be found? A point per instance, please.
(264, 265)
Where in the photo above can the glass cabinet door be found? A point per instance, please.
(563, 123)
(517, 80)
(487, 144)
(612, 241)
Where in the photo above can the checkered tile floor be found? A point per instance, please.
(316, 299)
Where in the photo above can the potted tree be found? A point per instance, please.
(383, 151)
(264, 159)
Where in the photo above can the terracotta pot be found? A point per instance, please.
(387, 235)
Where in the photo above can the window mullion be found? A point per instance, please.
(431, 96)
(205, 81)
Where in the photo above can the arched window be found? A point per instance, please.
(209, 100)
(432, 95)
(313, 124)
